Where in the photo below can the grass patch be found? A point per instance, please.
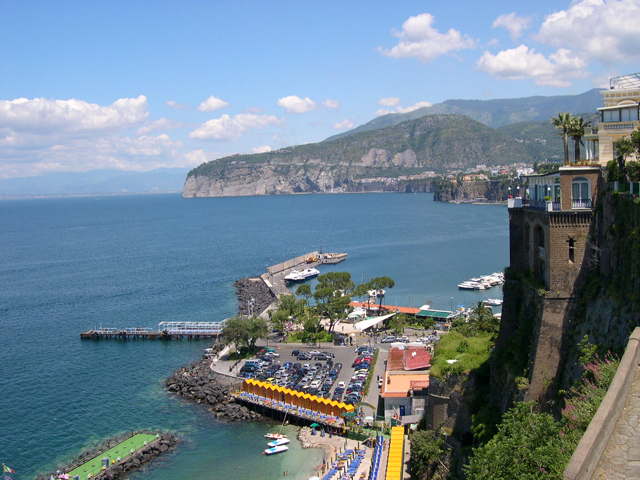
(470, 353)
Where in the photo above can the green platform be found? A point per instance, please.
(122, 450)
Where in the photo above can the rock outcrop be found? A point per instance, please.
(198, 383)
(254, 290)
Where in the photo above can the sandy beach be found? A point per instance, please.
(331, 447)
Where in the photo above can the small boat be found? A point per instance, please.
(493, 301)
(275, 436)
(277, 443)
(273, 450)
(469, 285)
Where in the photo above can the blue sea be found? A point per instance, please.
(70, 264)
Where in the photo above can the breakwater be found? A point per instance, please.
(157, 443)
(254, 296)
(196, 382)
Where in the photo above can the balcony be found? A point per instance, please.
(618, 126)
(542, 205)
(581, 203)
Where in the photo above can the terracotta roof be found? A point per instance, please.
(409, 358)
(416, 359)
(399, 385)
(390, 308)
(395, 360)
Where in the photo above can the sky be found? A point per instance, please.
(140, 85)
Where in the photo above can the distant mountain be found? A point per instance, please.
(96, 182)
(435, 142)
(493, 113)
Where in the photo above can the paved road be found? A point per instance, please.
(621, 458)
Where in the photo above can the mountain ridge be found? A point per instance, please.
(494, 113)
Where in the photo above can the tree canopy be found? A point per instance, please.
(245, 331)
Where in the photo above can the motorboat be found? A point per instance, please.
(493, 301)
(277, 443)
(301, 275)
(469, 285)
(273, 450)
(275, 436)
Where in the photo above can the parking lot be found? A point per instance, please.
(324, 371)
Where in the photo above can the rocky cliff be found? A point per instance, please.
(437, 143)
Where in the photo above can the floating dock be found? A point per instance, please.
(165, 331)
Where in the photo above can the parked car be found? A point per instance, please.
(380, 382)
(272, 355)
(304, 356)
(388, 339)
(295, 353)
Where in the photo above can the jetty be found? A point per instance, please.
(274, 277)
(164, 331)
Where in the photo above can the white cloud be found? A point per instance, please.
(195, 158)
(418, 39)
(212, 103)
(389, 101)
(522, 62)
(263, 149)
(399, 109)
(160, 124)
(111, 151)
(328, 103)
(42, 116)
(226, 128)
(343, 125)
(175, 105)
(415, 106)
(295, 105)
(513, 23)
(605, 32)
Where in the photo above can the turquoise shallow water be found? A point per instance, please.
(68, 264)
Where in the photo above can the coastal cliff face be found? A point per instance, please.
(384, 157)
(311, 176)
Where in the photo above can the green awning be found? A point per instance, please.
(434, 314)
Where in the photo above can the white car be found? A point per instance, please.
(272, 355)
(341, 385)
(380, 383)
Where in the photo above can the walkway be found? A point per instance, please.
(621, 458)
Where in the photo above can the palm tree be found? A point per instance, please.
(576, 132)
(563, 123)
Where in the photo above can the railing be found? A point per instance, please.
(542, 205)
(582, 203)
(618, 126)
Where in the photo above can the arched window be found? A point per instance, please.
(580, 193)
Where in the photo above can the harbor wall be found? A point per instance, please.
(289, 264)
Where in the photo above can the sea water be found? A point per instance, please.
(70, 264)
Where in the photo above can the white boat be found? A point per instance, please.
(469, 285)
(277, 443)
(493, 301)
(302, 275)
(272, 450)
(275, 436)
